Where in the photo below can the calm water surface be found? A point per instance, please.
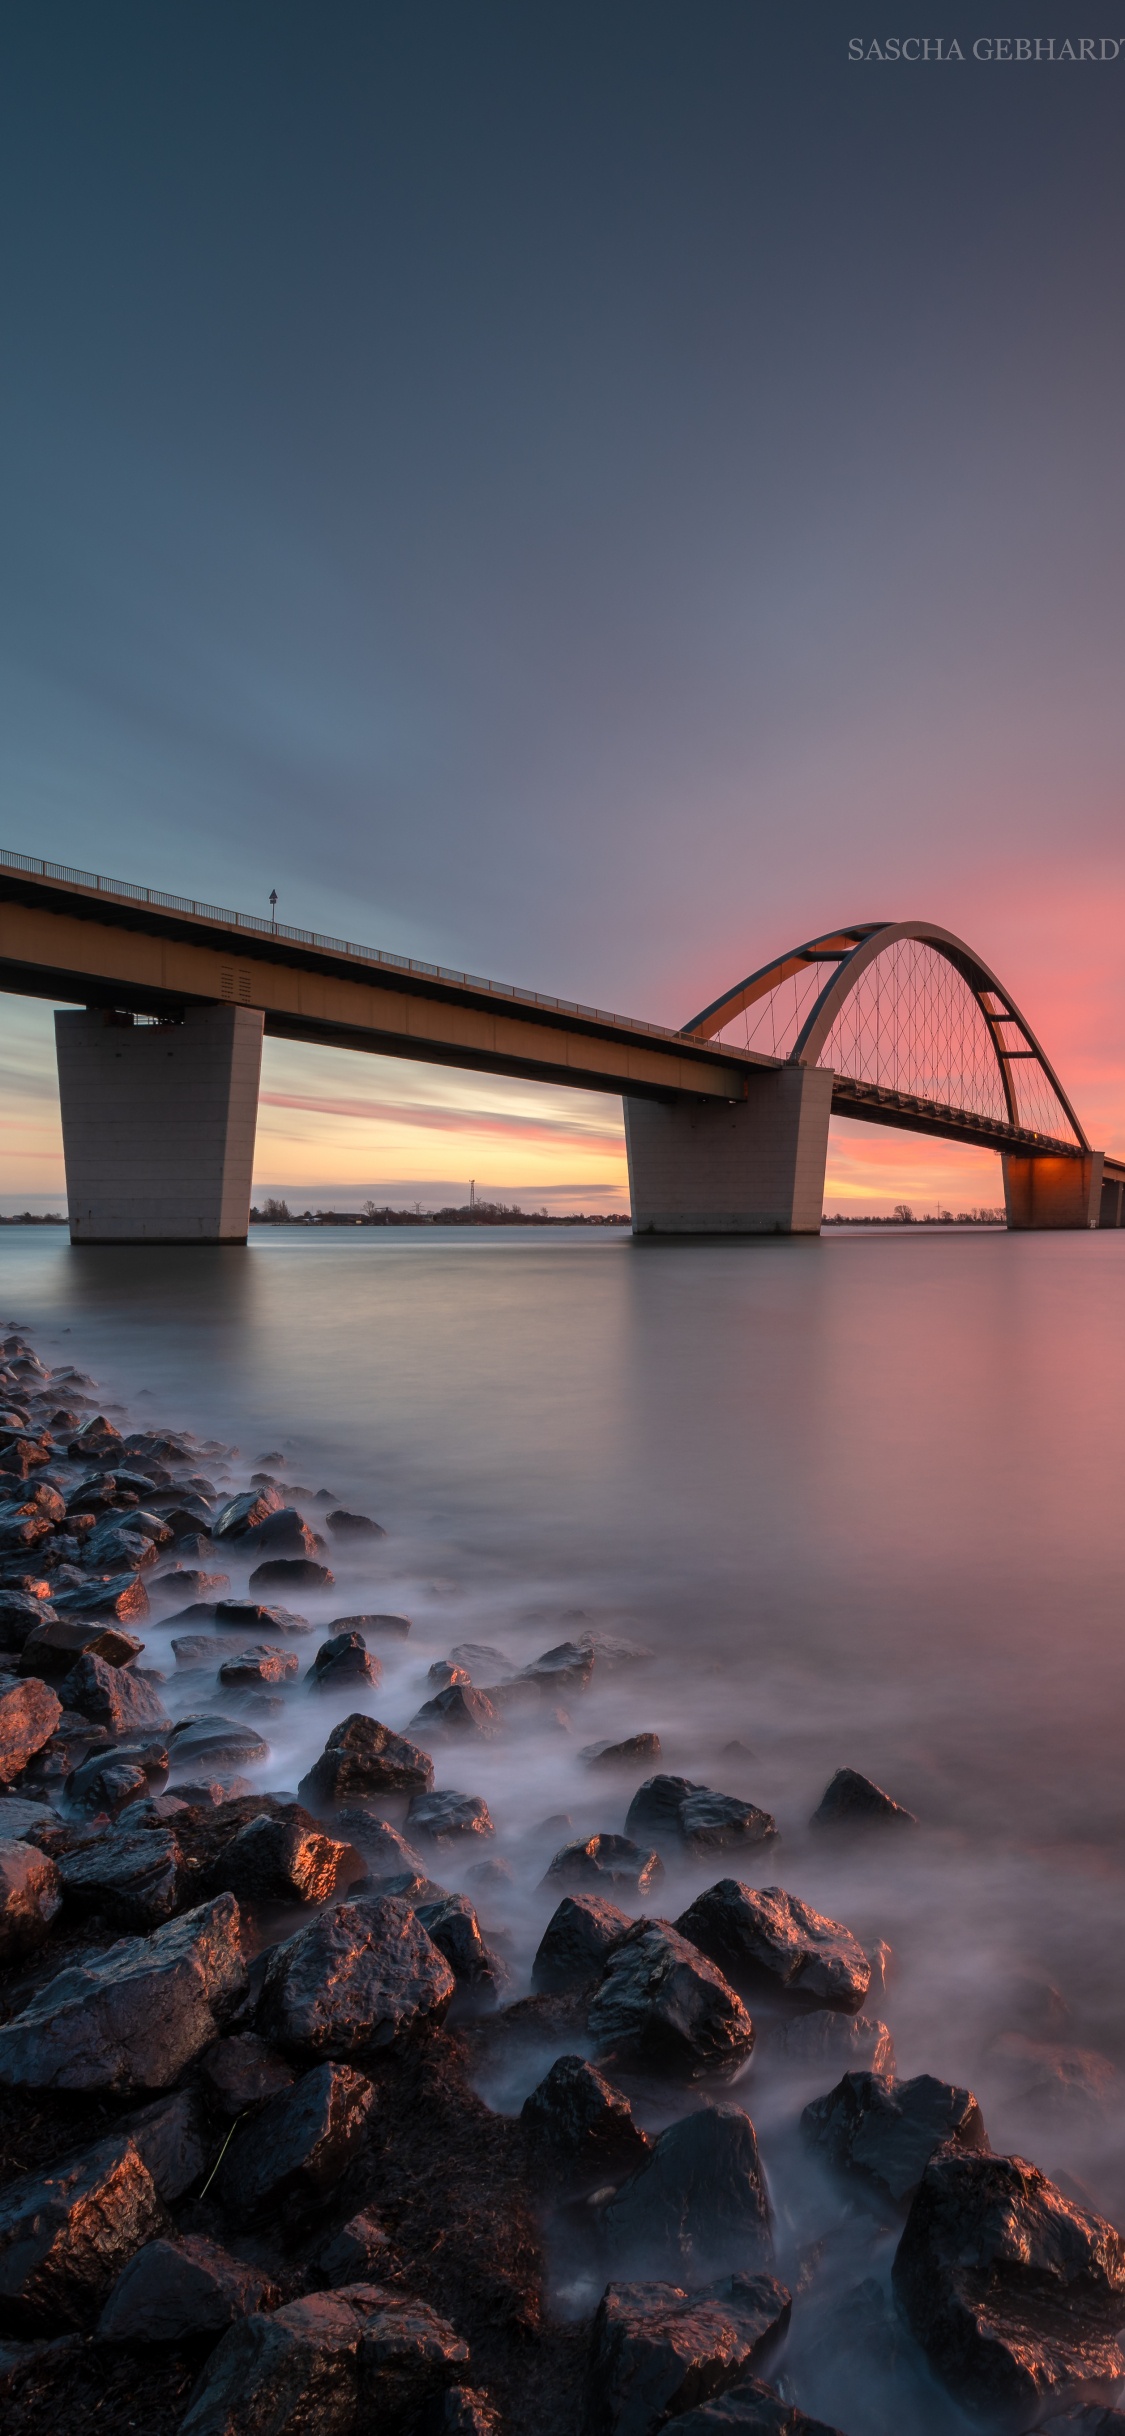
(862, 1498)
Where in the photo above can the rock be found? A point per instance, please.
(673, 1810)
(1015, 2294)
(174, 2140)
(343, 1659)
(187, 1582)
(259, 1665)
(354, 1526)
(303, 2371)
(134, 1874)
(851, 1800)
(885, 2131)
(121, 1594)
(443, 1673)
(458, 1710)
(291, 1573)
(361, 1976)
(97, 1439)
(408, 2356)
(29, 1713)
(1087, 2420)
(830, 2042)
(283, 1533)
(490, 1874)
(408, 1886)
(393, 1628)
(605, 1860)
(109, 1783)
(30, 1897)
(240, 2073)
(579, 2129)
(444, 1818)
(461, 2411)
(290, 2155)
(284, 1859)
(66, 2233)
(770, 1945)
(210, 1792)
(478, 1658)
(696, 2205)
(357, 2253)
(363, 1757)
(198, 1648)
(576, 1944)
(455, 1929)
(215, 1742)
(21, 1611)
(114, 1549)
(656, 2351)
(130, 2019)
(621, 1754)
(114, 1696)
(55, 1643)
(662, 2005)
(173, 2290)
(749, 2409)
(23, 1817)
(242, 1514)
(23, 1456)
(386, 1852)
(250, 1615)
(567, 1668)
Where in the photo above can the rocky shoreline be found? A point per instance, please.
(249, 2184)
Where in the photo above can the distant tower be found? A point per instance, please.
(473, 1193)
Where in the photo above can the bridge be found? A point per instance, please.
(726, 1120)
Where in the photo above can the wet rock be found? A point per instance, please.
(112, 1548)
(251, 1615)
(283, 1533)
(54, 1645)
(121, 1595)
(459, 1710)
(189, 1582)
(361, 1976)
(134, 1874)
(749, 2409)
(567, 1668)
(445, 1818)
(830, 2043)
(772, 1946)
(452, 1923)
(210, 1792)
(408, 1886)
(393, 1628)
(478, 1658)
(353, 1526)
(175, 2289)
(673, 1810)
(243, 1514)
(576, 1944)
(344, 1658)
(130, 2019)
(461, 2411)
(114, 1696)
(579, 2129)
(20, 1612)
(174, 2140)
(29, 1713)
(656, 2351)
(20, 1816)
(66, 2234)
(21, 1457)
(241, 2072)
(199, 1648)
(605, 1860)
(408, 2356)
(259, 1666)
(621, 1754)
(30, 1897)
(305, 2368)
(1015, 2294)
(291, 1573)
(443, 1673)
(285, 1859)
(215, 1742)
(696, 2206)
(357, 2254)
(386, 1852)
(851, 1800)
(662, 2005)
(360, 1757)
(97, 1441)
(884, 2132)
(293, 2151)
(107, 1784)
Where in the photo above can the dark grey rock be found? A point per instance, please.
(292, 1573)
(579, 2129)
(567, 1668)
(851, 1800)
(310, 2367)
(130, 2019)
(65, 2235)
(772, 1946)
(361, 1976)
(20, 1816)
(386, 1852)
(392, 1628)
(655, 1809)
(363, 1757)
(353, 1526)
(282, 1858)
(357, 2253)
(1016, 2295)
(657, 2351)
(408, 2356)
(135, 1875)
(696, 2206)
(576, 1944)
(114, 1696)
(673, 1810)
(240, 2073)
(292, 2152)
(175, 2289)
(29, 1713)
(215, 1742)
(30, 1896)
(242, 1514)
(662, 2005)
(884, 2131)
(108, 1782)
(447, 1818)
(459, 1710)
(452, 1923)
(120, 1595)
(749, 2409)
(621, 1754)
(175, 2141)
(283, 1533)
(56, 1642)
(345, 1658)
(253, 1615)
(259, 1665)
(606, 1861)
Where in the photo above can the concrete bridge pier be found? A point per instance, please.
(158, 1123)
(746, 1167)
(1041, 1191)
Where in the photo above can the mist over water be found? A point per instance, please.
(862, 1501)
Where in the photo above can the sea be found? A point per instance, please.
(856, 1501)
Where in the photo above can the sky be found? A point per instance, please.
(588, 494)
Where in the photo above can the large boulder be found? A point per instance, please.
(245, 1513)
(241, 2072)
(260, 1667)
(133, 2017)
(203, 1743)
(579, 2130)
(108, 1782)
(696, 2206)
(120, 1595)
(606, 1861)
(252, 1615)
(306, 2370)
(566, 1668)
(448, 1818)
(357, 2252)
(852, 1800)
(884, 2131)
(343, 1658)
(175, 2140)
(65, 2235)
(576, 1944)
(772, 1946)
(29, 1713)
(30, 1897)
(1015, 2293)
(113, 1696)
(362, 1757)
(291, 1573)
(173, 2290)
(290, 2154)
(361, 1976)
(282, 1858)
(452, 1923)
(656, 2351)
(282, 1533)
(54, 1644)
(134, 1875)
(673, 1810)
(386, 1852)
(661, 2004)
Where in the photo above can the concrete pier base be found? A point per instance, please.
(748, 1167)
(158, 1124)
(1051, 1192)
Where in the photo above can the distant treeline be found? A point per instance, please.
(469, 1213)
(905, 1216)
(35, 1218)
